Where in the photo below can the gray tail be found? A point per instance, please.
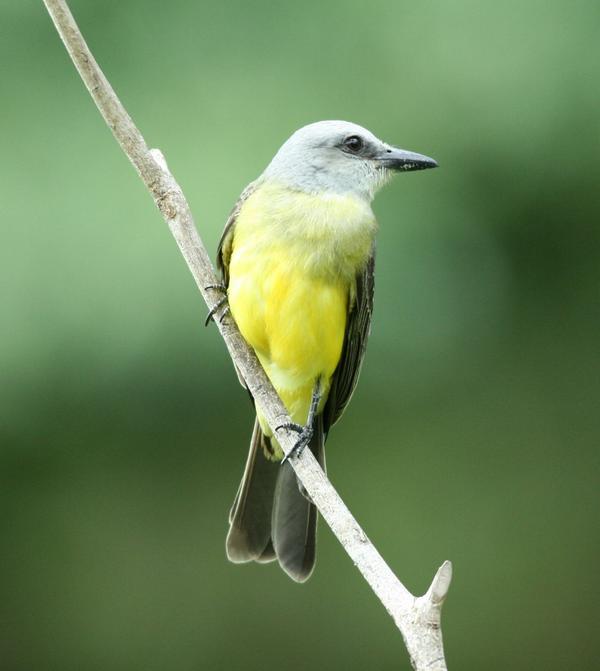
(270, 517)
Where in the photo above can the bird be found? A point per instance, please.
(297, 259)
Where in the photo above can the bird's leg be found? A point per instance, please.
(220, 303)
(305, 433)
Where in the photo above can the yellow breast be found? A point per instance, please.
(292, 270)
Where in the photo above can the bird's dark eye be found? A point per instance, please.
(353, 143)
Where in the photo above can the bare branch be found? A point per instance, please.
(417, 618)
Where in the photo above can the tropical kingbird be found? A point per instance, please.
(297, 260)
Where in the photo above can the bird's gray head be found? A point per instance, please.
(340, 157)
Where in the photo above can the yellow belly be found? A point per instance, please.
(295, 322)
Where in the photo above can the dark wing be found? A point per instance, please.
(358, 327)
(225, 247)
(226, 242)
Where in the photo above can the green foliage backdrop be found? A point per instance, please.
(473, 435)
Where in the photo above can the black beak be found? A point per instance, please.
(401, 160)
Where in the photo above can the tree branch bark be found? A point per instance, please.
(417, 618)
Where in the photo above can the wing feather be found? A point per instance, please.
(358, 328)
(225, 247)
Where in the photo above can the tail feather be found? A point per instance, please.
(271, 518)
(268, 554)
(294, 527)
(250, 517)
(294, 522)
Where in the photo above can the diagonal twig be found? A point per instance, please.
(418, 618)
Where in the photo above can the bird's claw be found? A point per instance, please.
(305, 433)
(222, 302)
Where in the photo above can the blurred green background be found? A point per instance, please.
(473, 434)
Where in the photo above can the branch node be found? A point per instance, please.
(438, 589)
(160, 159)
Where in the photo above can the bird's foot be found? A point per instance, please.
(221, 303)
(305, 433)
